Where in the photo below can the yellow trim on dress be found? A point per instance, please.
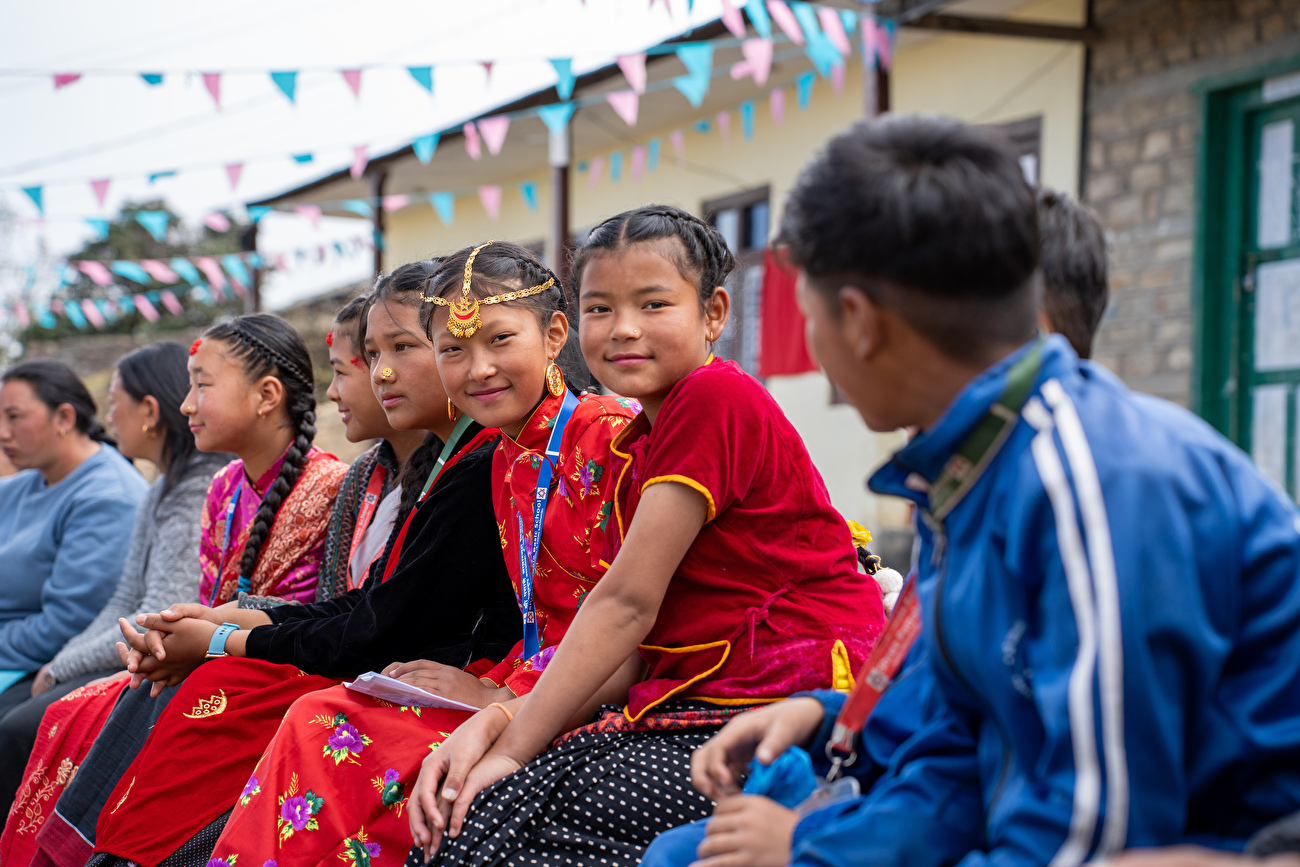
(735, 701)
(693, 648)
(690, 483)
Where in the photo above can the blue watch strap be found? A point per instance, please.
(217, 647)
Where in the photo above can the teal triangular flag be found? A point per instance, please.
(287, 82)
(758, 16)
(849, 19)
(155, 222)
(153, 79)
(257, 212)
(170, 173)
(302, 158)
(702, 126)
(747, 118)
(425, 145)
(445, 205)
(616, 166)
(698, 59)
(528, 190)
(804, 84)
(46, 318)
(37, 195)
(100, 227)
(564, 69)
(186, 269)
(74, 314)
(652, 155)
(379, 240)
(235, 268)
(423, 76)
(255, 259)
(556, 117)
(131, 271)
(692, 88)
(359, 207)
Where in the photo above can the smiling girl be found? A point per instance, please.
(732, 575)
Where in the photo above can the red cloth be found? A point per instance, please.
(67, 731)
(782, 350)
(770, 586)
(225, 712)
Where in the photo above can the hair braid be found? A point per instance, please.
(302, 410)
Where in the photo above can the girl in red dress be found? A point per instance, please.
(733, 581)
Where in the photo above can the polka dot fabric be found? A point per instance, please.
(597, 799)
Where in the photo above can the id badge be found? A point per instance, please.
(829, 793)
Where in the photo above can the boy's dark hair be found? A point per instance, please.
(502, 267)
(1074, 269)
(159, 370)
(55, 384)
(928, 216)
(702, 257)
(266, 345)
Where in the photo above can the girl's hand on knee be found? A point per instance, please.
(719, 764)
(492, 767)
(444, 772)
(748, 831)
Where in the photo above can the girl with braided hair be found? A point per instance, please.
(732, 582)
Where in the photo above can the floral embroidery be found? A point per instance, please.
(563, 489)
(390, 790)
(298, 812)
(214, 705)
(628, 403)
(251, 788)
(605, 511)
(359, 850)
(590, 475)
(434, 746)
(223, 862)
(270, 862)
(345, 742)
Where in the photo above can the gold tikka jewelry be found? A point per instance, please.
(554, 380)
(463, 318)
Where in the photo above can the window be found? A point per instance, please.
(743, 220)
(1026, 137)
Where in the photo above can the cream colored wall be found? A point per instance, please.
(977, 78)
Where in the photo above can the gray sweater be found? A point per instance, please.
(161, 568)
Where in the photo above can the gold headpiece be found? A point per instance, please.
(463, 319)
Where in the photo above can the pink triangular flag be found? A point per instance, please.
(837, 78)
(625, 103)
(785, 19)
(281, 264)
(360, 156)
(638, 162)
(100, 188)
(833, 27)
(217, 221)
(758, 53)
(487, 72)
(778, 106)
(732, 18)
(869, 36)
(169, 301)
(593, 174)
(63, 79)
(633, 67)
(311, 212)
(158, 271)
(212, 81)
(91, 310)
(396, 203)
(211, 270)
(741, 69)
(490, 196)
(678, 141)
(146, 309)
(724, 127)
(884, 50)
(473, 145)
(493, 130)
(353, 78)
(233, 171)
(96, 271)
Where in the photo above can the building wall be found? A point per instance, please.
(1143, 129)
(978, 78)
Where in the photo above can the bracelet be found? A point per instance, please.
(505, 710)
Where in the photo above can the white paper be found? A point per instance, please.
(380, 686)
(1273, 219)
(1268, 431)
(1277, 315)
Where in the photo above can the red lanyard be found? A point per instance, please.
(366, 514)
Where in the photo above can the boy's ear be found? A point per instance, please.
(556, 334)
(270, 395)
(864, 331)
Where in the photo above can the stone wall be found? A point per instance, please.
(1143, 133)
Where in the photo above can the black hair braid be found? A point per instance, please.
(303, 410)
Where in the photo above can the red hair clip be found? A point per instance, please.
(194, 347)
(329, 338)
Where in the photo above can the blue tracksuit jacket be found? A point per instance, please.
(1110, 655)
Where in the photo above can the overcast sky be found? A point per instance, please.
(110, 124)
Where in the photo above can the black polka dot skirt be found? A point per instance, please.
(596, 799)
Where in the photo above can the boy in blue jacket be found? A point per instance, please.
(1110, 591)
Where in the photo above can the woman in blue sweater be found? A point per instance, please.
(65, 518)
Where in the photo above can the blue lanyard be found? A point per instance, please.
(225, 543)
(527, 552)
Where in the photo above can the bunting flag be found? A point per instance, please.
(238, 272)
(156, 176)
(747, 119)
(360, 207)
(217, 222)
(353, 79)
(155, 222)
(837, 79)
(487, 72)
(100, 189)
(777, 104)
(869, 58)
(100, 227)
(311, 212)
(652, 155)
(597, 169)
(444, 204)
(698, 59)
(885, 44)
(625, 103)
(257, 212)
(732, 18)
(233, 172)
(170, 301)
(186, 269)
(153, 79)
(556, 117)
(785, 19)
(159, 271)
(493, 130)
(423, 76)
(212, 81)
(473, 146)
(37, 195)
(130, 270)
(758, 54)
(96, 271)
(694, 89)
(146, 308)
(392, 204)
(633, 68)
(724, 127)
(63, 79)
(91, 312)
(616, 166)
(528, 190)
(20, 310)
(564, 74)
(638, 162)
(490, 196)
(359, 159)
(678, 141)
(424, 147)
(804, 85)
(833, 27)
(303, 158)
(211, 270)
(287, 82)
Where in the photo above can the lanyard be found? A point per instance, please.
(527, 552)
(959, 475)
(447, 449)
(225, 544)
(366, 513)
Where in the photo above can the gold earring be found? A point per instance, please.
(149, 431)
(453, 412)
(63, 433)
(385, 374)
(554, 380)
(261, 413)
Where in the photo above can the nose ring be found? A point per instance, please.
(636, 332)
(385, 373)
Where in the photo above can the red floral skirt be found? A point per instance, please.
(334, 782)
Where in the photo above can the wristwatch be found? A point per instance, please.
(217, 647)
(50, 680)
